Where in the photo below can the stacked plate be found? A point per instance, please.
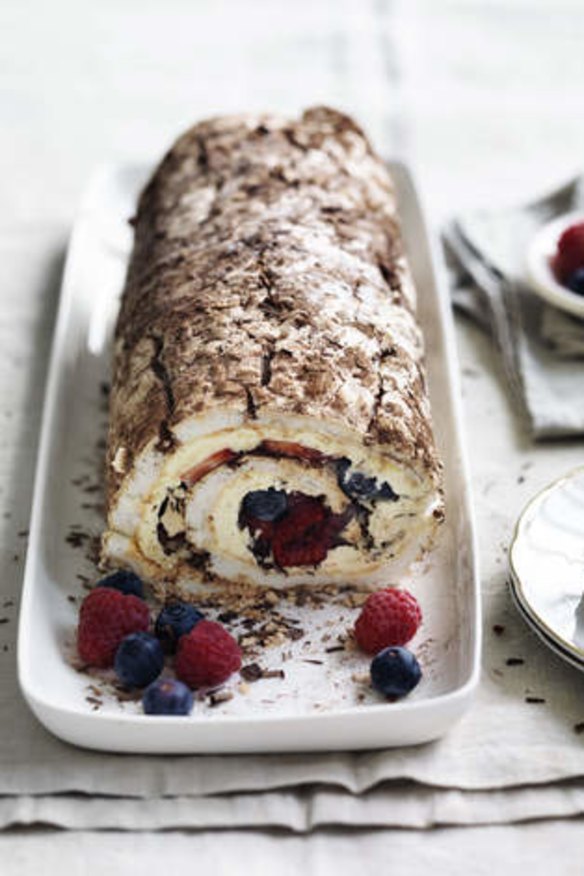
(547, 566)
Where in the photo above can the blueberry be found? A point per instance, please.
(386, 493)
(266, 505)
(175, 620)
(139, 660)
(575, 281)
(359, 486)
(124, 581)
(395, 672)
(167, 697)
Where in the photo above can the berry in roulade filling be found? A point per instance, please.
(280, 513)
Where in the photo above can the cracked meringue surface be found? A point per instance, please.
(267, 339)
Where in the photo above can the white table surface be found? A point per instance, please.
(483, 95)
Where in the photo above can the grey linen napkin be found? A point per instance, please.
(542, 349)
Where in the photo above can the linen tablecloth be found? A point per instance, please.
(480, 851)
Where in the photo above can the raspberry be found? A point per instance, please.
(106, 617)
(307, 532)
(389, 617)
(570, 253)
(207, 655)
(299, 539)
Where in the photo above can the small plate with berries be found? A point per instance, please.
(107, 662)
(555, 262)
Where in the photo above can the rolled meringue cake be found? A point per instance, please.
(269, 420)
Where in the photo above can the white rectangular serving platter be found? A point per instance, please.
(320, 705)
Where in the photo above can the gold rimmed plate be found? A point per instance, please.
(547, 566)
(551, 643)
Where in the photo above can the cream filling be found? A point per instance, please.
(218, 532)
(210, 511)
(208, 516)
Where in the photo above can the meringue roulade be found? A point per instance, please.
(269, 420)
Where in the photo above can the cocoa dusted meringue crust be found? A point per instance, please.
(267, 356)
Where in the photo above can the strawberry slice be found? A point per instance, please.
(271, 448)
(212, 462)
(290, 449)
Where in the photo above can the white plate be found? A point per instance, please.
(547, 566)
(552, 644)
(317, 706)
(540, 274)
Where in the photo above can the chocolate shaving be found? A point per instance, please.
(170, 543)
(251, 672)
(250, 404)
(227, 617)
(77, 539)
(222, 696)
(199, 560)
(254, 672)
(294, 633)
